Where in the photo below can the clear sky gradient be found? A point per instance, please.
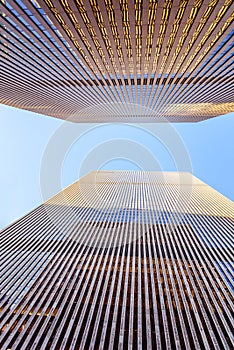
(27, 138)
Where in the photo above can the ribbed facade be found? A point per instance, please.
(126, 60)
(121, 260)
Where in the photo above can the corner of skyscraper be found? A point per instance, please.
(121, 260)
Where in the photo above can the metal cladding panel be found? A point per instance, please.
(118, 61)
(115, 261)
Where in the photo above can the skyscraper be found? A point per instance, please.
(117, 260)
(127, 60)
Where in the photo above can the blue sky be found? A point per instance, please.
(38, 152)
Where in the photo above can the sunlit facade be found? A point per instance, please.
(118, 61)
(121, 260)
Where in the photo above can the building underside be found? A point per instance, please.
(118, 61)
(137, 260)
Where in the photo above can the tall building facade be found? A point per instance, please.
(137, 260)
(111, 61)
